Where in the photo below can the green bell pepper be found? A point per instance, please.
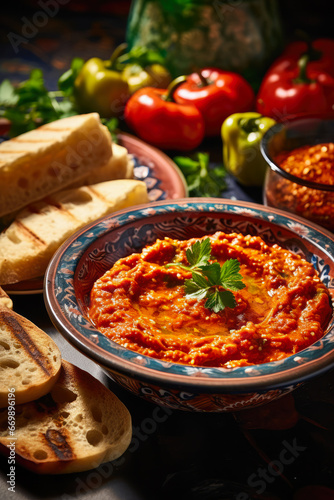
(143, 67)
(100, 87)
(154, 75)
(241, 135)
(105, 86)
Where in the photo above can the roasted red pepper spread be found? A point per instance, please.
(141, 304)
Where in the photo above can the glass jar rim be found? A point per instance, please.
(278, 127)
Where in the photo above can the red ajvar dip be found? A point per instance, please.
(141, 304)
(312, 163)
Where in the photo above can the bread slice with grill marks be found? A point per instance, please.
(28, 244)
(76, 427)
(119, 166)
(30, 360)
(50, 158)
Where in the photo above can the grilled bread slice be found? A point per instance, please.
(28, 244)
(119, 166)
(77, 426)
(5, 300)
(30, 360)
(49, 158)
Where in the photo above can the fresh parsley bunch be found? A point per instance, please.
(211, 281)
(30, 104)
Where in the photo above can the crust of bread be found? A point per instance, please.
(28, 244)
(30, 360)
(50, 158)
(78, 426)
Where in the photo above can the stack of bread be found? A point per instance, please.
(53, 181)
(65, 419)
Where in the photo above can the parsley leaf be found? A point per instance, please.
(141, 56)
(209, 280)
(197, 286)
(199, 253)
(7, 94)
(201, 178)
(217, 300)
(67, 79)
(230, 277)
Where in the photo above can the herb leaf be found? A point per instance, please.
(143, 57)
(217, 300)
(230, 277)
(201, 178)
(210, 280)
(67, 79)
(29, 104)
(199, 253)
(197, 286)
(7, 94)
(212, 273)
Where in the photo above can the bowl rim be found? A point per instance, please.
(278, 127)
(204, 379)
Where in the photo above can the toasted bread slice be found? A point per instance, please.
(5, 300)
(119, 166)
(76, 427)
(29, 359)
(49, 158)
(28, 244)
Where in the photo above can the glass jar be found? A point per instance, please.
(235, 35)
(301, 195)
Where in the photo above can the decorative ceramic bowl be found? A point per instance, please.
(303, 197)
(90, 252)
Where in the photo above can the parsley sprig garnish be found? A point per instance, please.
(210, 280)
